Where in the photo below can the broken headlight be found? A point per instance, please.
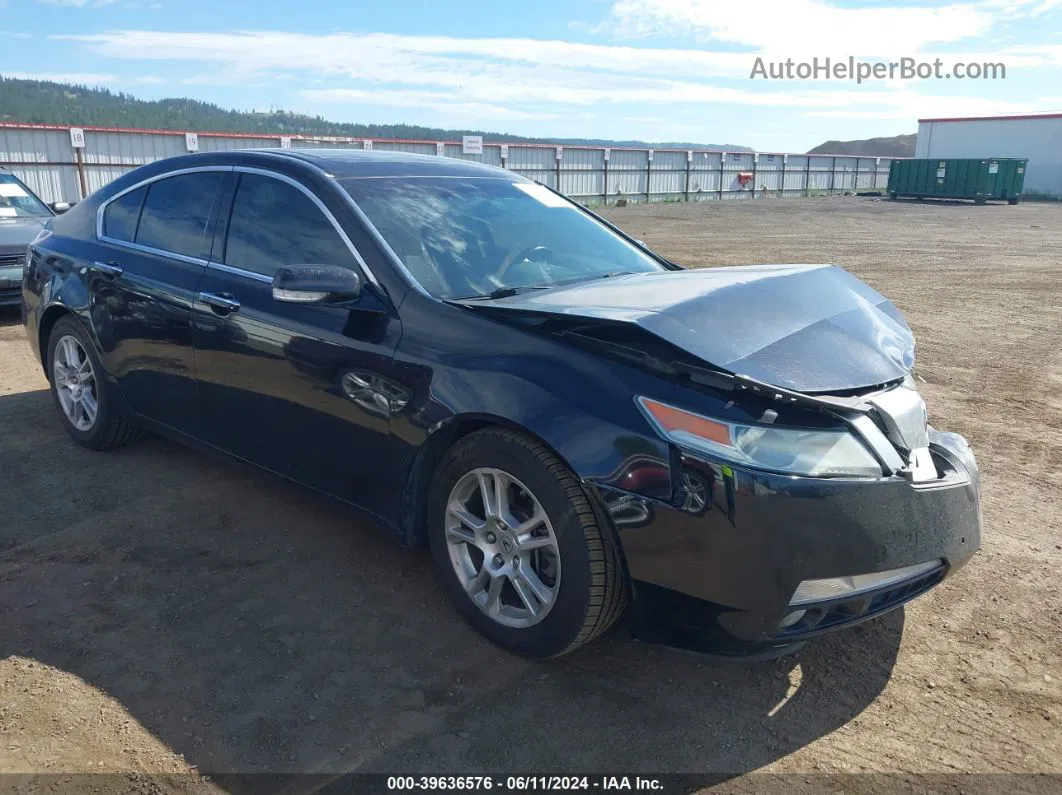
(795, 451)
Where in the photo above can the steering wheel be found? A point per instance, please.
(529, 254)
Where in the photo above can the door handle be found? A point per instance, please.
(108, 270)
(220, 302)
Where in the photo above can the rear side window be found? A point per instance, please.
(275, 224)
(177, 211)
(122, 215)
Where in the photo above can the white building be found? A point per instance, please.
(1037, 137)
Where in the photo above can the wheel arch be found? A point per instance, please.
(445, 436)
(49, 318)
(449, 433)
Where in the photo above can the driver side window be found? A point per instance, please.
(274, 224)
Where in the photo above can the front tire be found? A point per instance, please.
(519, 548)
(80, 390)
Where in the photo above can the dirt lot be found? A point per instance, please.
(161, 611)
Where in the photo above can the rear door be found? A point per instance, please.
(154, 242)
(304, 390)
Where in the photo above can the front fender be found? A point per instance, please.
(467, 371)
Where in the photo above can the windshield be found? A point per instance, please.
(16, 201)
(466, 237)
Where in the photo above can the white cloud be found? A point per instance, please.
(1028, 56)
(374, 55)
(918, 106)
(460, 62)
(443, 103)
(520, 79)
(78, 3)
(799, 26)
(887, 104)
(1021, 8)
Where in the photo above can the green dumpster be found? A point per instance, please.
(998, 178)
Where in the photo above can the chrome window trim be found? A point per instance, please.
(138, 246)
(157, 251)
(320, 206)
(220, 265)
(253, 275)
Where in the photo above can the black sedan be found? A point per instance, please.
(573, 424)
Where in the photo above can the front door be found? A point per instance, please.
(282, 385)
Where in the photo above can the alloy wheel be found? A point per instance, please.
(502, 547)
(75, 383)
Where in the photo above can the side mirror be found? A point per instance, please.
(315, 284)
(60, 207)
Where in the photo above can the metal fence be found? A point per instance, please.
(66, 164)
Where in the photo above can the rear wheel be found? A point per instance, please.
(79, 389)
(518, 547)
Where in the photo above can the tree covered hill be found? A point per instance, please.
(44, 102)
(896, 146)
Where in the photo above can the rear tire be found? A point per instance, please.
(1013, 201)
(571, 551)
(81, 392)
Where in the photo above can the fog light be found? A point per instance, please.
(829, 588)
(792, 618)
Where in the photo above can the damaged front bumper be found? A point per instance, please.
(720, 570)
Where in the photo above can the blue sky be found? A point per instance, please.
(656, 70)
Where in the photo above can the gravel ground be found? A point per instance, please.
(163, 612)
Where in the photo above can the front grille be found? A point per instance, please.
(824, 617)
(11, 288)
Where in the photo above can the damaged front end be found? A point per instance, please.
(754, 559)
(809, 491)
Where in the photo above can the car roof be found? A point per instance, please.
(352, 163)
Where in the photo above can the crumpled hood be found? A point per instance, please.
(17, 233)
(809, 328)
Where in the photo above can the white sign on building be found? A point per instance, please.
(472, 144)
